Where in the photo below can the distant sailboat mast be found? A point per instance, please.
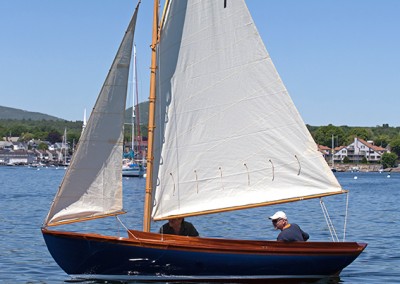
(134, 95)
(136, 111)
(333, 152)
(64, 147)
(84, 121)
(134, 90)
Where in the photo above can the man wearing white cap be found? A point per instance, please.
(289, 232)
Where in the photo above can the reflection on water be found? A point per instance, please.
(329, 280)
(26, 194)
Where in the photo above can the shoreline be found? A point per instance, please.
(336, 168)
(363, 168)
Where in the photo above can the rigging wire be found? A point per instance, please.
(123, 225)
(329, 221)
(345, 217)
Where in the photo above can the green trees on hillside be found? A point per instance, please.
(44, 130)
(339, 135)
(389, 160)
(344, 135)
(395, 145)
(50, 130)
(325, 135)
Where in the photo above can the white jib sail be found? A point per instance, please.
(92, 185)
(228, 135)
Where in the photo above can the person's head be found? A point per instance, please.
(279, 220)
(176, 222)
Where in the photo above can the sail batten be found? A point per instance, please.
(92, 185)
(210, 154)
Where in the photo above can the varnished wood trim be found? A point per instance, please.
(234, 208)
(215, 245)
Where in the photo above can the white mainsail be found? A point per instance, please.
(228, 135)
(92, 185)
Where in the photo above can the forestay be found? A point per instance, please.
(92, 185)
(228, 135)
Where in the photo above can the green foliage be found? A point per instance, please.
(323, 135)
(389, 160)
(41, 129)
(364, 161)
(346, 160)
(43, 146)
(382, 140)
(52, 131)
(25, 137)
(364, 133)
(73, 137)
(141, 111)
(54, 136)
(359, 132)
(344, 135)
(395, 146)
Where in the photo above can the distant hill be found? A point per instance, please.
(19, 114)
(143, 111)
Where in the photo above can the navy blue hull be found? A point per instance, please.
(87, 254)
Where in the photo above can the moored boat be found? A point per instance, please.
(132, 169)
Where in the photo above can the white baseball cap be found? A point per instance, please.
(278, 215)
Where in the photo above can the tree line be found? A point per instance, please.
(382, 136)
(48, 130)
(53, 131)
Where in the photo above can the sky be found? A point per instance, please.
(339, 59)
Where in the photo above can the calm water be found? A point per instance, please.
(26, 193)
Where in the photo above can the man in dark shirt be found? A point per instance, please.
(179, 226)
(289, 232)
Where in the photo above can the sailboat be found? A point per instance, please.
(132, 167)
(208, 64)
(64, 150)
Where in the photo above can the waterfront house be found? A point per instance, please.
(4, 145)
(358, 151)
(17, 157)
(326, 151)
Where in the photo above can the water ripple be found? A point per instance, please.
(25, 196)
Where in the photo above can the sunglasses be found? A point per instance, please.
(276, 220)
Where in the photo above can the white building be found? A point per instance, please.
(358, 150)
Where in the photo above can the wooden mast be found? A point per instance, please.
(151, 126)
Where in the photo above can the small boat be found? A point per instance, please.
(208, 65)
(132, 169)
